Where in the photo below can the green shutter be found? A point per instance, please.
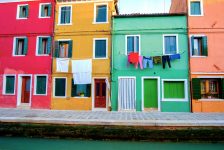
(41, 85)
(49, 10)
(70, 49)
(25, 46)
(42, 10)
(20, 12)
(222, 89)
(56, 49)
(67, 14)
(192, 45)
(204, 46)
(10, 82)
(88, 91)
(60, 86)
(49, 41)
(40, 48)
(174, 89)
(16, 48)
(73, 92)
(27, 11)
(196, 88)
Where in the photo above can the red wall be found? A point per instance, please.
(32, 27)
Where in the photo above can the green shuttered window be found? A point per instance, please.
(21, 46)
(41, 87)
(44, 45)
(23, 11)
(100, 48)
(65, 15)
(60, 87)
(63, 49)
(196, 87)
(174, 89)
(199, 46)
(81, 90)
(9, 85)
(195, 8)
(45, 10)
(101, 13)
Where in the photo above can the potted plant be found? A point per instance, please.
(81, 94)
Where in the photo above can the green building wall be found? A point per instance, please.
(151, 30)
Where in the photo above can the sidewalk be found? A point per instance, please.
(113, 118)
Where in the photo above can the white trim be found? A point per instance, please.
(211, 73)
(12, 1)
(80, 2)
(17, 13)
(126, 42)
(127, 77)
(211, 100)
(4, 84)
(158, 91)
(65, 87)
(177, 43)
(37, 46)
(210, 77)
(94, 42)
(100, 4)
(40, 10)
(196, 35)
(201, 5)
(59, 16)
(35, 83)
(93, 95)
(19, 91)
(173, 99)
(14, 45)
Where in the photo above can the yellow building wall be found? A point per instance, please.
(82, 32)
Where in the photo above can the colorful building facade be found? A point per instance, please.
(206, 34)
(26, 32)
(159, 42)
(82, 55)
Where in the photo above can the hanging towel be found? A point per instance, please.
(157, 59)
(175, 56)
(62, 64)
(82, 78)
(133, 58)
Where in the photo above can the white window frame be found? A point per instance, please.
(201, 5)
(185, 99)
(94, 44)
(35, 83)
(14, 45)
(4, 85)
(17, 13)
(64, 40)
(196, 35)
(177, 43)
(59, 15)
(37, 45)
(126, 42)
(95, 6)
(66, 84)
(40, 10)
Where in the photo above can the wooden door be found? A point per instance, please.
(25, 95)
(150, 93)
(100, 93)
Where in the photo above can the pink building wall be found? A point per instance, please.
(32, 27)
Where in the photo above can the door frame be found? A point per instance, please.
(19, 94)
(158, 93)
(93, 95)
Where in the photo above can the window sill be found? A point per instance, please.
(100, 58)
(196, 15)
(199, 56)
(21, 18)
(59, 97)
(40, 94)
(100, 22)
(8, 94)
(19, 55)
(43, 55)
(215, 99)
(47, 17)
(174, 100)
(81, 97)
(69, 24)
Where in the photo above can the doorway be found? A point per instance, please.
(100, 94)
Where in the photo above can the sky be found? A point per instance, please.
(144, 6)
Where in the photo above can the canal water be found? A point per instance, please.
(12, 143)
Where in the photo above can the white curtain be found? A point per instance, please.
(126, 94)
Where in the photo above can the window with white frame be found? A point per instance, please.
(199, 46)
(63, 49)
(45, 10)
(23, 11)
(132, 43)
(195, 8)
(43, 45)
(41, 85)
(60, 87)
(20, 46)
(65, 15)
(100, 48)
(101, 13)
(80, 90)
(170, 43)
(9, 85)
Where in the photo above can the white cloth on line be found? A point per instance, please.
(82, 78)
(81, 66)
(107, 83)
(62, 64)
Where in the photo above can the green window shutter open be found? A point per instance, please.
(42, 10)
(222, 89)
(205, 46)
(174, 89)
(60, 87)
(20, 12)
(16, 48)
(49, 41)
(40, 46)
(196, 88)
(73, 92)
(41, 85)
(56, 49)
(27, 11)
(49, 10)
(10, 82)
(70, 49)
(25, 46)
(88, 91)
(192, 45)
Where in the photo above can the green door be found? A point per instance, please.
(150, 93)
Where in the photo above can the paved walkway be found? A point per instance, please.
(112, 118)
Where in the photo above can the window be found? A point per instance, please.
(170, 44)
(60, 87)
(9, 85)
(41, 85)
(65, 15)
(44, 45)
(195, 8)
(63, 49)
(133, 43)
(100, 13)
(100, 48)
(20, 46)
(22, 11)
(81, 90)
(199, 46)
(208, 88)
(175, 90)
(45, 10)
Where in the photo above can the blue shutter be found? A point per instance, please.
(130, 44)
(67, 14)
(49, 41)
(137, 44)
(204, 46)
(167, 45)
(62, 21)
(100, 48)
(27, 11)
(101, 13)
(25, 46)
(70, 49)
(195, 8)
(49, 10)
